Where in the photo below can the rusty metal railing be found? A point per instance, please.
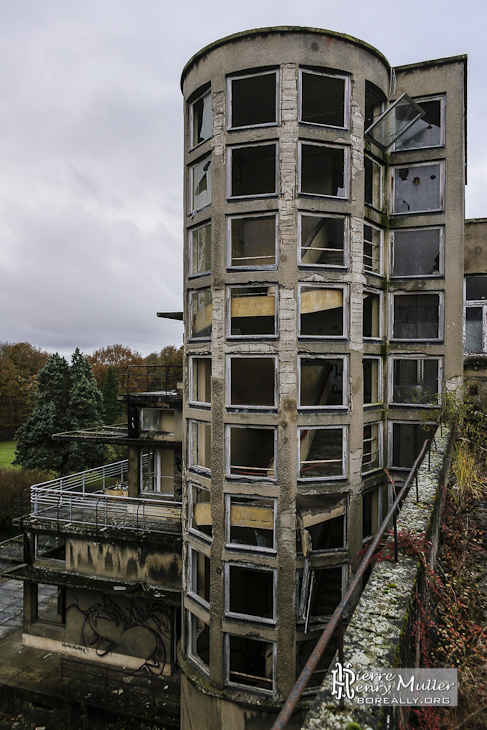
(152, 379)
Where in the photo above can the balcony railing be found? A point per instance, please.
(152, 379)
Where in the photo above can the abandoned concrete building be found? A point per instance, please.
(323, 318)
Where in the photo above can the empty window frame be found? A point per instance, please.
(50, 603)
(250, 523)
(251, 452)
(476, 288)
(429, 131)
(319, 592)
(250, 592)
(252, 311)
(415, 381)
(417, 316)
(372, 447)
(200, 184)
(200, 380)
(201, 119)
(323, 382)
(250, 663)
(323, 240)
(322, 452)
(406, 440)
(417, 252)
(199, 576)
(374, 104)
(253, 170)
(199, 442)
(418, 188)
(372, 315)
(199, 511)
(50, 547)
(252, 99)
(372, 368)
(252, 242)
(322, 311)
(304, 648)
(373, 183)
(373, 248)
(251, 382)
(324, 99)
(200, 250)
(476, 314)
(324, 170)
(198, 641)
(375, 505)
(151, 469)
(321, 521)
(201, 312)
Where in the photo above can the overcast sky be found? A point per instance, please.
(91, 147)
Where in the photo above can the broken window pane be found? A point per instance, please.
(415, 381)
(201, 184)
(374, 509)
(199, 569)
(372, 249)
(407, 441)
(418, 188)
(323, 99)
(51, 603)
(200, 511)
(50, 547)
(199, 445)
(374, 104)
(303, 653)
(373, 183)
(323, 170)
(372, 447)
(200, 380)
(200, 252)
(427, 131)
(250, 522)
(416, 316)
(253, 170)
(250, 592)
(201, 313)
(322, 240)
(322, 383)
(199, 640)
(253, 242)
(394, 122)
(321, 453)
(252, 311)
(251, 452)
(372, 380)
(476, 288)
(474, 330)
(250, 662)
(321, 521)
(320, 593)
(253, 381)
(371, 315)
(253, 100)
(201, 120)
(321, 312)
(416, 252)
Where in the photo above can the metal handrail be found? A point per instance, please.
(151, 378)
(337, 616)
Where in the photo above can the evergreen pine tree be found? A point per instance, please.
(113, 407)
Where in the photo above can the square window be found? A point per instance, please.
(371, 323)
(394, 122)
(253, 100)
(250, 662)
(200, 250)
(322, 382)
(250, 593)
(201, 119)
(372, 447)
(320, 592)
(200, 445)
(252, 311)
(201, 311)
(324, 170)
(322, 452)
(200, 184)
(198, 640)
(416, 317)
(417, 252)
(250, 522)
(415, 381)
(253, 242)
(199, 576)
(50, 547)
(373, 183)
(427, 131)
(322, 240)
(418, 188)
(372, 249)
(476, 288)
(200, 380)
(324, 99)
(321, 520)
(251, 452)
(253, 170)
(252, 382)
(199, 507)
(372, 380)
(321, 312)
(407, 441)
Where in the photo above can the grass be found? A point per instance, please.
(7, 454)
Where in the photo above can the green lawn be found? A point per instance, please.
(7, 454)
